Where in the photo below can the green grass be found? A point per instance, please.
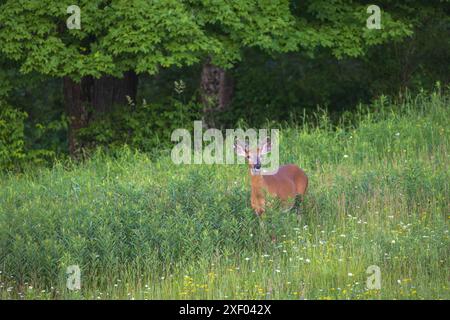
(148, 229)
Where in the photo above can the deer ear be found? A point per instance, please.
(240, 149)
(265, 147)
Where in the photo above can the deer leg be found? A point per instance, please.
(287, 204)
(258, 205)
(297, 205)
(259, 211)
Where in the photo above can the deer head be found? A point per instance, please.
(253, 157)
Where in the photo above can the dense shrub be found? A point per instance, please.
(141, 126)
(15, 151)
(11, 136)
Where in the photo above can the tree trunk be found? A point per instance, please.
(76, 108)
(216, 89)
(90, 98)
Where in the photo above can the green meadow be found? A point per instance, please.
(140, 227)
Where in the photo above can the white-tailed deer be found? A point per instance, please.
(287, 183)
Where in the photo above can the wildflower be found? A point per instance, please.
(307, 261)
(350, 274)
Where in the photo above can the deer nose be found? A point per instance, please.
(258, 166)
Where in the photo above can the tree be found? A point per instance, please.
(119, 39)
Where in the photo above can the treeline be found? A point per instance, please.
(134, 72)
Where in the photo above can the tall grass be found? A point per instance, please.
(148, 229)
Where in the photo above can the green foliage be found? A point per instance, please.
(5, 83)
(284, 86)
(286, 57)
(15, 150)
(11, 136)
(143, 126)
(146, 228)
(47, 137)
(340, 26)
(117, 36)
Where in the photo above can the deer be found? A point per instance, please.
(289, 182)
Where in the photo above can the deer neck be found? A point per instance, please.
(257, 182)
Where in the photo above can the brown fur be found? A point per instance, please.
(287, 183)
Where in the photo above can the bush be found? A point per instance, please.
(12, 136)
(14, 153)
(144, 127)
